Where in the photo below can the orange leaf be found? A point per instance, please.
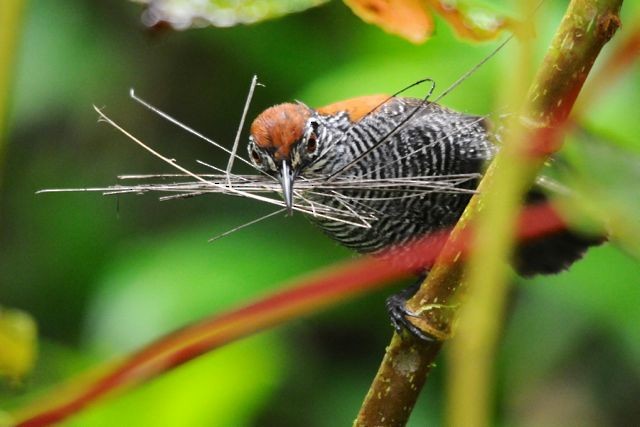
(412, 19)
(406, 18)
(474, 24)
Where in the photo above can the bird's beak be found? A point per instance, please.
(286, 180)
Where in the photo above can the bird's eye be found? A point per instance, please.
(312, 143)
(256, 156)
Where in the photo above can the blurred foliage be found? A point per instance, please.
(601, 175)
(18, 341)
(224, 388)
(183, 14)
(410, 19)
(104, 275)
(11, 13)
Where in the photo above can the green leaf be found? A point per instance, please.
(185, 14)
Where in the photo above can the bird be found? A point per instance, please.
(394, 140)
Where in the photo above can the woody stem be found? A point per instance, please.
(586, 27)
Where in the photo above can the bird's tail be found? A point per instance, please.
(552, 254)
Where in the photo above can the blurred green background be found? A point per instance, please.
(102, 276)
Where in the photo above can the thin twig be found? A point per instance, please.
(236, 141)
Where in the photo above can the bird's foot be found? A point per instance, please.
(399, 314)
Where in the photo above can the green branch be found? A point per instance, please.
(586, 27)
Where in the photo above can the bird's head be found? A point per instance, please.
(290, 139)
(285, 140)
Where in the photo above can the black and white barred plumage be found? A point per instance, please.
(390, 142)
(434, 141)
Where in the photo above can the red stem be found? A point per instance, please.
(345, 281)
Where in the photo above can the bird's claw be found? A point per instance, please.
(399, 313)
